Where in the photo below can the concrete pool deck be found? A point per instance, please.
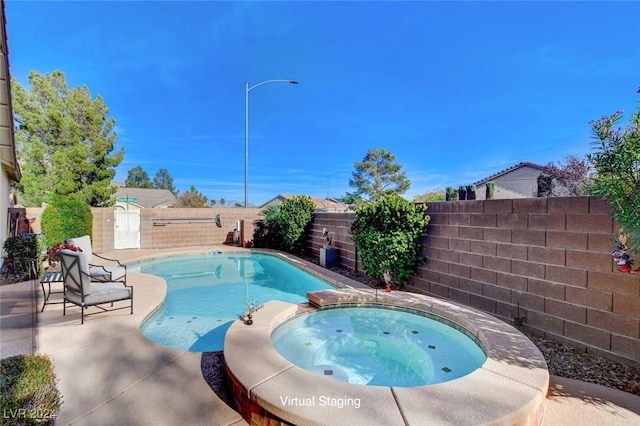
(110, 374)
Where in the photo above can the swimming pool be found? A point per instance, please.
(379, 346)
(207, 292)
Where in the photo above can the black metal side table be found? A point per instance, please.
(50, 277)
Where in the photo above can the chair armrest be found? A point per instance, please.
(108, 259)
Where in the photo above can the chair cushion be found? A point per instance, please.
(84, 243)
(107, 273)
(102, 293)
(77, 273)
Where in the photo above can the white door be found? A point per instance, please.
(127, 229)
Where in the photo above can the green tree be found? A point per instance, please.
(65, 142)
(438, 195)
(387, 234)
(377, 175)
(192, 198)
(222, 202)
(138, 177)
(617, 163)
(163, 180)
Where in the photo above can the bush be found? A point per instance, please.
(267, 233)
(462, 192)
(25, 253)
(66, 219)
(545, 186)
(451, 194)
(387, 235)
(284, 225)
(471, 192)
(617, 162)
(28, 390)
(295, 216)
(490, 190)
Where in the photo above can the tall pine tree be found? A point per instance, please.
(65, 142)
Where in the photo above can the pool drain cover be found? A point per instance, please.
(446, 370)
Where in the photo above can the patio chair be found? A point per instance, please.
(113, 271)
(80, 290)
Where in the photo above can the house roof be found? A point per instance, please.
(510, 169)
(145, 197)
(321, 203)
(8, 156)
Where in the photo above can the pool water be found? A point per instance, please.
(377, 346)
(207, 292)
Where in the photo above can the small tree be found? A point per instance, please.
(387, 235)
(617, 163)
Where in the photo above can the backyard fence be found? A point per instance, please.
(549, 256)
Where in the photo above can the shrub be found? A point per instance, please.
(451, 194)
(545, 186)
(462, 192)
(295, 216)
(66, 219)
(267, 233)
(284, 225)
(490, 190)
(28, 390)
(471, 192)
(25, 253)
(387, 235)
(617, 163)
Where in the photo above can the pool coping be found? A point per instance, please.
(508, 389)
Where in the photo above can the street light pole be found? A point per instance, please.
(248, 88)
(328, 180)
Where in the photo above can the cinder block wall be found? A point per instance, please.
(550, 255)
(160, 228)
(192, 227)
(339, 227)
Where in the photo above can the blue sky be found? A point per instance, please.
(456, 90)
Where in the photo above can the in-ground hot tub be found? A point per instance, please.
(378, 345)
(508, 388)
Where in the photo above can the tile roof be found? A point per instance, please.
(146, 197)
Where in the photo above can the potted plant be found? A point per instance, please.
(53, 254)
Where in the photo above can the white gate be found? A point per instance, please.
(127, 229)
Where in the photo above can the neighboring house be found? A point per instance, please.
(322, 204)
(10, 168)
(144, 198)
(519, 181)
